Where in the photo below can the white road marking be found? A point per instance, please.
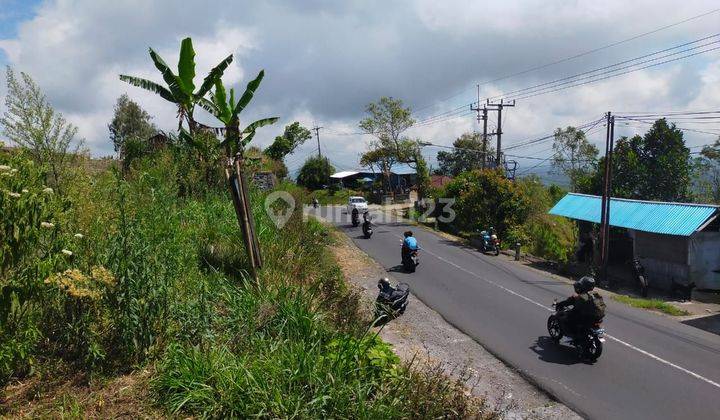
(639, 350)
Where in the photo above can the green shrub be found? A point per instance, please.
(486, 198)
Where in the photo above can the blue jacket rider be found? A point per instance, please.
(409, 243)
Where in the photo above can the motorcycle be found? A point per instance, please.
(391, 301)
(639, 272)
(490, 242)
(367, 228)
(410, 259)
(355, 218)
(588, 342)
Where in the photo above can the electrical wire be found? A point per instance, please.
(582, 54)
(576, 80)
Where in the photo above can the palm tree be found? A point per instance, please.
(180, 88)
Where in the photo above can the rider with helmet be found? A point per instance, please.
(581, 303)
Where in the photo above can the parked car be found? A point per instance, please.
(358, 203)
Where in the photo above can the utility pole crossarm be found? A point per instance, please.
(317, 135)
(498, 106)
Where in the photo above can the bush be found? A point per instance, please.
(486, 198)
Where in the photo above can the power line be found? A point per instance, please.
(582, 54)
(621, 63)
(576, 80)
(610, 75)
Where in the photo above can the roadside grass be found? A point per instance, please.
(326, 197)
(159, 283)
(652, 304)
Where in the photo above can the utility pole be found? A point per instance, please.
(482, 118)
(317, 134)
(499, 107)
(606, 198)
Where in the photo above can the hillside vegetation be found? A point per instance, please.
(120, 274)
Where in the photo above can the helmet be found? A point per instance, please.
(383, 283)
(585, 284)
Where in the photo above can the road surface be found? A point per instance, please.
(652, 367)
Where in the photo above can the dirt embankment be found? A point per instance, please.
(423, 334)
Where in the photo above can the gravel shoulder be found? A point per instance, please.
(422, 334)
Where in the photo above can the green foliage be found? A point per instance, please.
(653, 167)
(423, 176)
(180, 88)
(574, 155)
(387, 119)
(544, 235)
(330, 197)
(293, 136)
(31, 122)
(486, 198)
(706, 175)
(315, 173)
(652, 304)
(130, 129)
(466, 156)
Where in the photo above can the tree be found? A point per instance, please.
(227, 110)
(574, 155)
(706, 174)
(387, 120)
(130, 129)
(31, 122)
(315, 173)
(180, 88)
(655, 166)
(485, 198)
(293, 136)
(466, 155)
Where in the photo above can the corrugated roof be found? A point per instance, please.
(402, 169)
(649, 216)
(344, 174)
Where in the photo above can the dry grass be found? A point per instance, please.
(74, 396)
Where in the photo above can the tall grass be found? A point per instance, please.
(160, 277)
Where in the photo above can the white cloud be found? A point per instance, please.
(326, 60)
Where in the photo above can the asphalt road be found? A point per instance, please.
(652, 367)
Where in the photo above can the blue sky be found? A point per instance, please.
(325, 60)
(12, 13)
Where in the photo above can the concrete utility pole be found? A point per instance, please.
(482, 118)
(499, 107)
(606, 198)
(317, 134)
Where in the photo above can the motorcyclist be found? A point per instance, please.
(315, 202)
(579, 315)
(409, 244)
(366, 224)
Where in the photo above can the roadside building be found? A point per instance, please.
(677, 243)
(402, 177)
(351, 179)
(439, 181)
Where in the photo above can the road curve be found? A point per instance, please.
(652, 367)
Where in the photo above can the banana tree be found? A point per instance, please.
(180, 87)
(227, 110)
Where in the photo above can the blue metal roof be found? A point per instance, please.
(648, 216)
(402, 169)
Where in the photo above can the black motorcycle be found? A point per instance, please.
(410, 259)
(367, 229)
(639, 272)
(355, 218)
(391, 301)
(587, 341)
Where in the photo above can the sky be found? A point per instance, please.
(326, 60)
